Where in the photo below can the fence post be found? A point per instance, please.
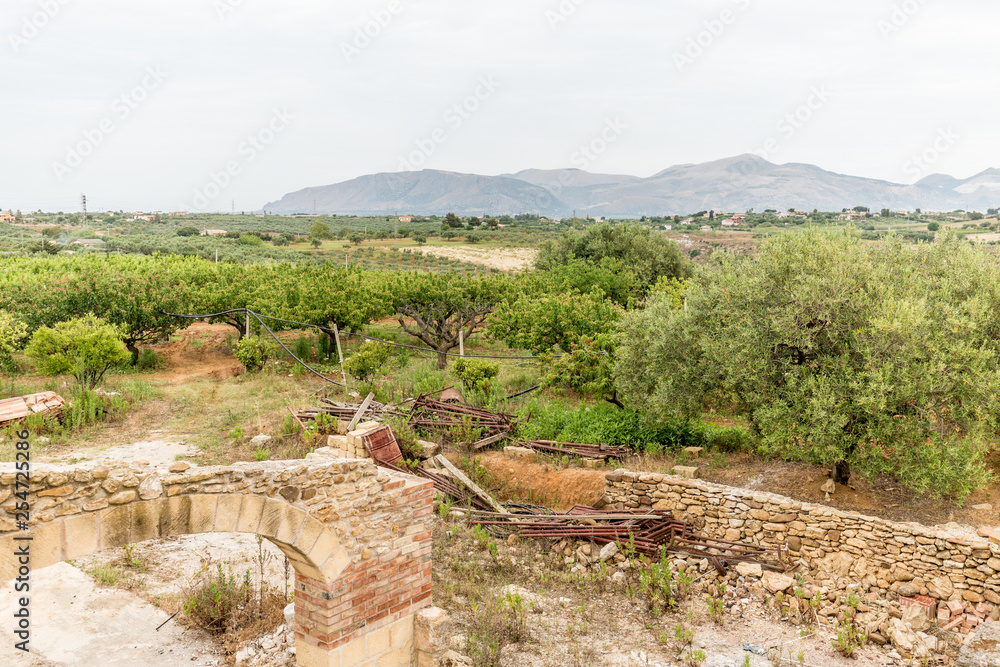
(248, 324)
(461, 343)
(340, 355)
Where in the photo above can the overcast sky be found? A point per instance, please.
(195, 104)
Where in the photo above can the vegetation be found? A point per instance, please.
(884, 357)
(85, 347)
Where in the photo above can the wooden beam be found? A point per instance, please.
(361, 411)
(461, 476)
(489, 441)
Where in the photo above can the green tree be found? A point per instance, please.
(367, 363)
(420, 238)
(188, 231)
(453, 221)
(13, 333)
(315, 242)
(434, 308)
(356, 238)
(86, 347)
(52, 232)
(879, 356)
(933, 226)
(649, 256)
(321, 231)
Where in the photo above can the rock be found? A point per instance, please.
(903, 638)
(982, 649)
(179, 466)
(750, 570)
(266, 644)
(290, 614)
(150, 488)
(452, 659)
(940, 588)
(689, 472)
(991, 532)
(907, 591)
(609, 550)
(838, 563)
(428, 449)
(775, 582)
(986, 507)
(618, 578)
(829, 487)
(915, 616)
(260, 440)
(694, 452)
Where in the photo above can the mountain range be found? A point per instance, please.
(734, 184)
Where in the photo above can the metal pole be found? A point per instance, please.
(340, 355)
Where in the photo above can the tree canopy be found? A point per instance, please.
(649, 256)
(883, 356)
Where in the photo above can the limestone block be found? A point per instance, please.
(688, 472)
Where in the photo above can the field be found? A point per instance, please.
(567, 349)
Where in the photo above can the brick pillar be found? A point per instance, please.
(366, 616)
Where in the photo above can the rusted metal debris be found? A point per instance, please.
(596, 452)
(43, 403)
(346, 411)
(649, 532)
(381, 444)
(428, 413)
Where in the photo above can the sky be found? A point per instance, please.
(219, 105)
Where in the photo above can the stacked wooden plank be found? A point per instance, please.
(346, 411)
(18, 408)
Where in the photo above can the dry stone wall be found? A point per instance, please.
(947, 563)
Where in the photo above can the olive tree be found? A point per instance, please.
(879, 356)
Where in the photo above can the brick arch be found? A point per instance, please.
(312, 548)
(356, 535)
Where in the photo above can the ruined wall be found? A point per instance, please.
(356, 535)
(948, 564)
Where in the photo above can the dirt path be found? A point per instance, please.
(199, 352)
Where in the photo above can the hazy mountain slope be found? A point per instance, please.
(733, 184)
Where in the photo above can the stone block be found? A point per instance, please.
(227, 513)
(429, 630)
(694, 452)
(689, 472)
(175, 518)
(251, 512)
(982, 649)
(82, 536)
(203, 508)
(522, 453)
(145, 520)
(116, 526)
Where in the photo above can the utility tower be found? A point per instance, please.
(83, 202)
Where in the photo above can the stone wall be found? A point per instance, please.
(357, 536)
(947, 563)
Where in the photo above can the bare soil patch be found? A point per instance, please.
(505, 259)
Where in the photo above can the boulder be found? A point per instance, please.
(523, 453)
(750, 570)
(838, 563)
(608, 551)
(261, 440)
(427, 449)
(940, 588)
(689, 472)
(915, 616)
(776, 582)
(982, 649)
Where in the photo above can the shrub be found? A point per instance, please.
(253, 352)
(13, 333)
(86, 347)
(476, 374)
(368, 361)
(187, 231)
(250, 239)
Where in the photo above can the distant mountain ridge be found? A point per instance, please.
(733, 184)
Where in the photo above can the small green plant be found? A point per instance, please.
(475, 374)
(253, 352)
(367, 363)
(236, 434)
(850, 636)
(261, 454)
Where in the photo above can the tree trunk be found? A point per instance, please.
(131, 347)
(442, 359)
(842, 472)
